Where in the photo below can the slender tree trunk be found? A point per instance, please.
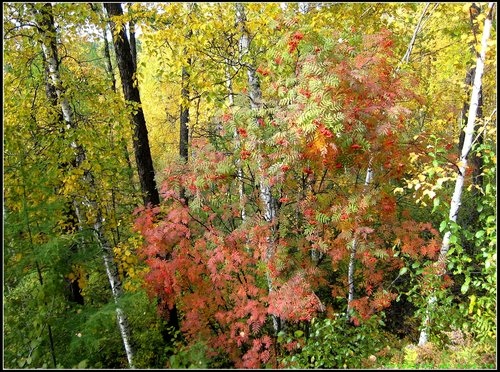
(239, 171)
(133, 44)
(51, 64)
(111, 74)
(184, 110)
(469, 134)
(49, 46)
(406, 57)
(107, 56)
(268, 201)
(476, 161)
(131, 93)
(352, 257)
(184, 117)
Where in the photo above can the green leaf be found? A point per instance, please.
(465, 286)
(442, 226)
(453, 239)
(403, 270)
(82, 364)
(480, 234)
(298, 333)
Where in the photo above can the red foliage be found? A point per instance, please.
(226, 117)
(294, 301)
(294, 41)
(242, 132)
(285, 167)
(305, 92)
(263, 71)
(245, 154)
(229, 277)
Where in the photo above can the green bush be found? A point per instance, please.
(335, 343)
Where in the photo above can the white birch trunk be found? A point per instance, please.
(255, 93)
(115, 284)
(352, 257)
(406, 57)
(239, 171)
(462, 165)
(50, 53)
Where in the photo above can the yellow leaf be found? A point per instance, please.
(430, 193)
(398, 190)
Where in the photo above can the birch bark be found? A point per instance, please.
(239, 171)
(268, 201)
(49, 47)
(462, 169)
(352, 257)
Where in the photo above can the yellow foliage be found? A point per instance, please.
(130, 269)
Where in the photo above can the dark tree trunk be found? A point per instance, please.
(107, 56)
(51, 338)
(133, 44)
(126, 65)
(131, 94)
(109, 70)
(184, 119)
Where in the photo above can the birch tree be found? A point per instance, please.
(255, 94)
(462, 165)
(48, 34)
(352, 256)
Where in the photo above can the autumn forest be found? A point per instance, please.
(249, 185)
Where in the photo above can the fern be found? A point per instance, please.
(307, 116)
(322, 218)
(316, 85)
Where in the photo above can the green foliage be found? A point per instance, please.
(459, 352)
(188, 357)
(149, 343)
(95, 338)
(479, 240)
(334, 343)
